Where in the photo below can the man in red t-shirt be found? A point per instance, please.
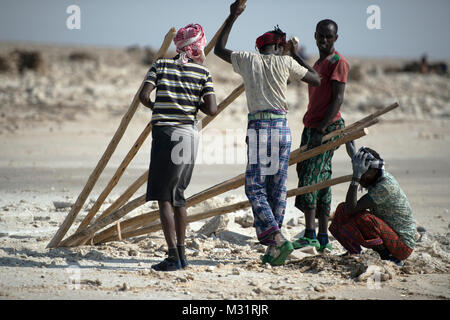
(321, 118)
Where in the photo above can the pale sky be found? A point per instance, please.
(409, 28)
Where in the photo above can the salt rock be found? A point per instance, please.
(236, 271)
(309, 250)
(245, 221)
(215, 225)
(294, 222)
(319, 288)
(297, 254)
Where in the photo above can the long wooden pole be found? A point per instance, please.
(106, 155)
(238, 181)
(116, 177)
(238, 206)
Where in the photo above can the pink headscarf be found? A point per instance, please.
(190, 42)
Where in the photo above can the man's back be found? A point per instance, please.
(265, 78)
(180, 89)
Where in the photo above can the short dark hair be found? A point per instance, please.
(278, 31)
(327, 22)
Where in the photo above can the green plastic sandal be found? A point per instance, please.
(285, 250)
(267, 258)
(327, 246)
(306, 242)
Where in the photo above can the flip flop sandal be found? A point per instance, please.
(305, 242)
(285, 250)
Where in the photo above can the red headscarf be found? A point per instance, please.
(190, 42)
(270, 38)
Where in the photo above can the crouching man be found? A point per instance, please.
(382, 219)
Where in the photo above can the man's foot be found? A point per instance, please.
(395, 260)
(182, 256)
(167, 264)
(306, 242)
(327, 246)
(346, 254)
(276, 256)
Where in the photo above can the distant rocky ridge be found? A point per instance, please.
(39, 83)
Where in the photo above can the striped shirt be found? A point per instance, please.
(179, 91)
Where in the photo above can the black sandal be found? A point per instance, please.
(167, 264)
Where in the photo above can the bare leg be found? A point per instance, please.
(180, 224)
(310, 219)
(167, 222)
(323, 222)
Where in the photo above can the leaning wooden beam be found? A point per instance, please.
(238, 206)
(85, 233)
(374, 115)
(225, 103)
(121, 200)
(297, 152)
(235, 182)
(116, 177)
(67, 223)
(213, 41)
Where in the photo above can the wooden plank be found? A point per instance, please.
(238, 206)
(89, 231)
(116, 177)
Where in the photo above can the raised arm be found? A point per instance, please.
(235, 11)
(359, 166)
(311, 77)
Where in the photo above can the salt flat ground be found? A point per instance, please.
(52, 163)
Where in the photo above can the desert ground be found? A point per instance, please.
(57, 118)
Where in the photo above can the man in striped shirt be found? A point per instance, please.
(183, 86)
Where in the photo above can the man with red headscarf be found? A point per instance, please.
(265, 77)
(183, 86)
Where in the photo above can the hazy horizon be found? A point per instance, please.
(408, 28)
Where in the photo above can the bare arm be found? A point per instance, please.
(337, 99)
(219, 50)
(353, 206)
(144, 95)
(209, 106)
(311, 77)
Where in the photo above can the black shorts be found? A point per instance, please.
(174, 149)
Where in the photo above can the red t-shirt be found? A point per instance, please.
(333, 67)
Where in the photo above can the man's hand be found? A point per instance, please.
(316, 139)
(293, 46)
(237, 8)
(359, 164)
